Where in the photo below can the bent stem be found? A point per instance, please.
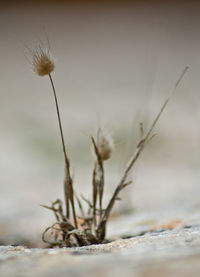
(68, 188)
(144, 140)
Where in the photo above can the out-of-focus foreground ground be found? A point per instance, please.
(115, 65)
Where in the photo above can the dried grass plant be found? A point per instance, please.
(89, 227)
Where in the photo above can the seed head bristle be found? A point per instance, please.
(43, 63)
(105, 145)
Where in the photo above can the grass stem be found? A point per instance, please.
(60, 124)
(68, 187)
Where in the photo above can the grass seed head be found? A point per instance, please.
(105, 145)
(43, 63)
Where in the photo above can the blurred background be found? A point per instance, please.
(116, 62)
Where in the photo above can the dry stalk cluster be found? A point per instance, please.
(71, 229)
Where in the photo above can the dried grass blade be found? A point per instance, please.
(102, 225)
(94, 194)
(101, 172)
(69, 195)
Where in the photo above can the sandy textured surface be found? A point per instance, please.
(151, 244)
(168, 253)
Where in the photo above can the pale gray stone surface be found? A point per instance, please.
(157, 253)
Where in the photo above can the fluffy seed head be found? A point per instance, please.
(43, 63)
(105, 145)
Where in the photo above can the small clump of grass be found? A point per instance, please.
(89, 227)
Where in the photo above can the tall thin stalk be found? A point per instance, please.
(68, 188)
(60, 124)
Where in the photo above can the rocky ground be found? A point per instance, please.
(150, 245)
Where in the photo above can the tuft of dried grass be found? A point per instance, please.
(89, 227)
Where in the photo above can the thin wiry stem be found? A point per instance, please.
(100, 186)
(60, 124)
(95, 191)
(67, 164)
(102, 225)
(68, 188)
